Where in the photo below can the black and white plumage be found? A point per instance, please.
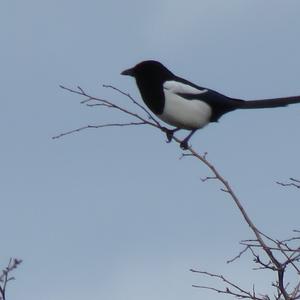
(185, 105)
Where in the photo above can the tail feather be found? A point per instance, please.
(268, 103)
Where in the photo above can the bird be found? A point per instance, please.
(185, 105)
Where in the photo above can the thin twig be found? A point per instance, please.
(237, 290)
(239, 255)
(97, 126)
(5, 276)
(295, 183)
(134, 102)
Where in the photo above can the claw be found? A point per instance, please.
(184, 145)
(169, 133)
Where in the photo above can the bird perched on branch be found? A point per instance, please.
(185, 105)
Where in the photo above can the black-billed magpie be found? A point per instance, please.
(185, 105)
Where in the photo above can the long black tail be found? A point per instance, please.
(268, 103)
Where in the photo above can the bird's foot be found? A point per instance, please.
(184, 145)
(169, 133)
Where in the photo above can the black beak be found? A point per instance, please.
(128, 72)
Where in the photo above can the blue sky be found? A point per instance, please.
(113, 213)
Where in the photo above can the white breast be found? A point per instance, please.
(183, 113)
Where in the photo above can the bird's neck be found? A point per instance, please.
(152, 94)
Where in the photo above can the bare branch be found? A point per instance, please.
(208, 178)
(239, 255)
(278, 255)
(97, 126)
(134, 102)
(106, 103)
(5, 276)
(295, 183)
(252, 244)
(296, 292)
(231, 288)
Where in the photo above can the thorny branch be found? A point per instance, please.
(5, 276)
(288, 255)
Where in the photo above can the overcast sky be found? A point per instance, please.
(113, 213)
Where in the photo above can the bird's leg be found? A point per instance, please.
(184, 144)
(169, 133)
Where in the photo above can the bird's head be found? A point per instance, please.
(149, 70)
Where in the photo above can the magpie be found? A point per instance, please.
(185, 105)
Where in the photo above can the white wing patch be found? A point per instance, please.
(183, 113)
(177, 87)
